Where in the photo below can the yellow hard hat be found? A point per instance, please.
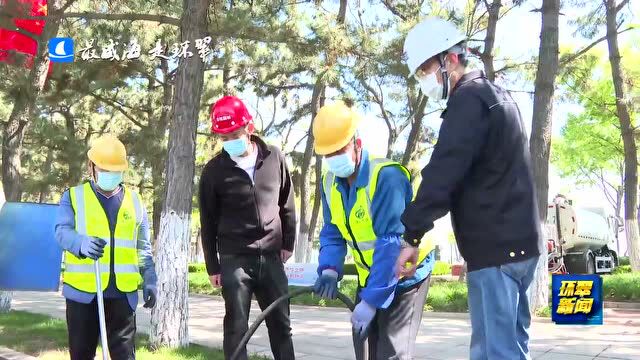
(108, 153)
(333, 127)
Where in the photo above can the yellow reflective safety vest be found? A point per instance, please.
(357, 228)
(91, 220)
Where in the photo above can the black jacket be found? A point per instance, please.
(480, 171)
(238, 217)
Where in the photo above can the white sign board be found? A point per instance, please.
(300, 274)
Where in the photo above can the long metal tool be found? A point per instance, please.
(103, 324)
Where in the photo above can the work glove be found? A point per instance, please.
(92, 247)
(149, 295)
(362, 316)
(326, 285)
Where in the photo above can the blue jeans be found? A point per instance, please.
(499, 311)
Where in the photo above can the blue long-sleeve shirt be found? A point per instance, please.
(70, 240)
(393, 193)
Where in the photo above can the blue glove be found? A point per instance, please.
(362, 316)
(327, 284)
(149, 294)
(92, 247)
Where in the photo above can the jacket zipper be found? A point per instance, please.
(112, 251)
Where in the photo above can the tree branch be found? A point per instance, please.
(621, 5)
(162, 19)
(394, 10)
(114, 105)
(66, 6)
(566, 60)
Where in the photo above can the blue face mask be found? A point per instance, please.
(108, 180)
(236, 147)
(341, 165)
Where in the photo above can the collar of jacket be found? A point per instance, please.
(470, 76)
(363, 172)
(261, 146)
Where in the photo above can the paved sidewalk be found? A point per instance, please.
(321, 333)
(8, 354)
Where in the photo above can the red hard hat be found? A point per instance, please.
(228, 115)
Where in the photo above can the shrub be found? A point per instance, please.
(441, 268)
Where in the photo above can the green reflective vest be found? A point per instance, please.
(91, 220)
(357, 229)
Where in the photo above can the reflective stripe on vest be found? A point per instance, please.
(91, 220)
(357, 229)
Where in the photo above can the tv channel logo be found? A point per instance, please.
(61, 50)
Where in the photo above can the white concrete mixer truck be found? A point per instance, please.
(580, 240)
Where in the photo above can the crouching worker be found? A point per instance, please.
(103, 220)
(362, 201)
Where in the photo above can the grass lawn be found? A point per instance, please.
(447, 296)
(46, 338)
(443, 295)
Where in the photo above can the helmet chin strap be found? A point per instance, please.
(445, 77)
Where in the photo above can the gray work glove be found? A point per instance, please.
(92, 247)
(326, 285)
(149, 295)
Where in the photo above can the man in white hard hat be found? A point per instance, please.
(480, 172)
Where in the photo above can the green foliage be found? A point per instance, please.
(623, 269)
(194, 268)
(591, 149)
(441, 268)
(447, 296)
(443, 295)
(544, 312)
(622, 287)
(624, 260)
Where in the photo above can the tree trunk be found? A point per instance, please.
(14, 129)
(158, 161)
(490, 39)
(416, 129)
(628, 140)
(317, 198)
(540, 142)
(72, 153)
(170, 316)
(46, 169)
(303, 245)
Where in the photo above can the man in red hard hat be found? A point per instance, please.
(248, 221)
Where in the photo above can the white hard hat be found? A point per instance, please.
(427, 39)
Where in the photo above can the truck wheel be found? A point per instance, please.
(590, 263)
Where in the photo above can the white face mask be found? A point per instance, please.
(431, 87)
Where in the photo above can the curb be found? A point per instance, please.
(615, 305)
(434, 314)
(8, 354)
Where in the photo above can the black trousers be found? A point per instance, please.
(393, 331)
(84, 329)
(263, 276)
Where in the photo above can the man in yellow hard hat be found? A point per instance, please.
(362, 201)
(102, 219)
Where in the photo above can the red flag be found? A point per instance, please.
(17, 42)
(12, 41)
(38, 8)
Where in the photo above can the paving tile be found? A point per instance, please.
(8, 354)
(585, 349)
(625, 351)
(557, 356)
(324, 333)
